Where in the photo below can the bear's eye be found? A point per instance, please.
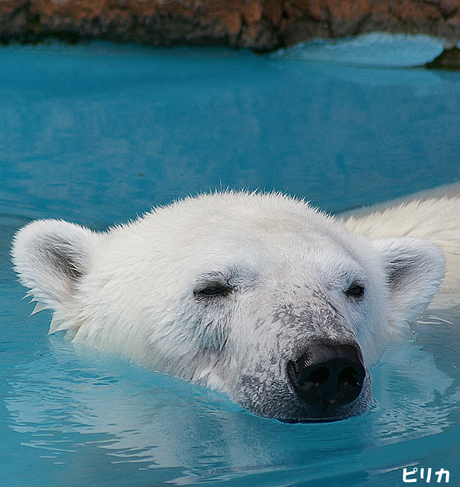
(213, 290)
(355, 291)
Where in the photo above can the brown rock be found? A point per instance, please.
(13, 18)
(257, 24)
(449, 59)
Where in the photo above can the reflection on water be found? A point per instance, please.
(68, 399)
(100, 133)
(371, 50)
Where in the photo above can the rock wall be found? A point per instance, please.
(257, 24)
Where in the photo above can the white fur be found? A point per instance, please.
(134, 290)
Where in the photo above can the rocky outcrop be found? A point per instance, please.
(257, 24)
(449, 59)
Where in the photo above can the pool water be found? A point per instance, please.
(99, 133)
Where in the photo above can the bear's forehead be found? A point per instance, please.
(231, 217)
(269, 235)
(249, 231)
(284, 252)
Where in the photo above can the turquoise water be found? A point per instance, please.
(98, 134)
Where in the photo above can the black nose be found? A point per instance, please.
(328, 374)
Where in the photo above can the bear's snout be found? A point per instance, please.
(328, 375)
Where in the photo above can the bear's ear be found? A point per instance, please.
(50, 256)
(414, 269)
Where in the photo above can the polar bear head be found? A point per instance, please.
(256, 295)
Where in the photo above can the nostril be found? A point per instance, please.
(349, 376)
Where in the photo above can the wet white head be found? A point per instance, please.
(259, 296)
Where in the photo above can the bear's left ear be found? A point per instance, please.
(414, 269)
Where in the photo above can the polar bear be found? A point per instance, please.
(260, 296)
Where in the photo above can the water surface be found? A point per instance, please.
(99, 133)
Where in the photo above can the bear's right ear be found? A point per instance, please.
(50, 256)
(414, 269)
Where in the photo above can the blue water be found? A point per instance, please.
(98, 134)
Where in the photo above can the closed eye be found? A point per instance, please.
(212, 290)
(355, 291)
